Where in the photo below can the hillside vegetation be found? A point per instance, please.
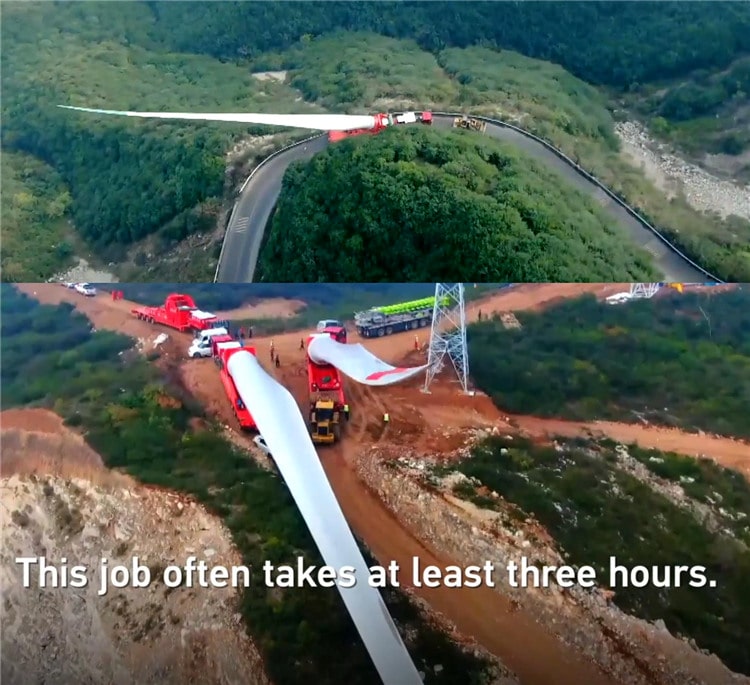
(129, 179)
(604, 42)
(35, 232)
(145, 425)
(420, 204)
(706, 112)
(126, 178)
(583, 494)
(541, 97)
(677, 359)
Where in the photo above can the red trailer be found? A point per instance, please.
(324, 380)
(382, 121)
(223, 351)
(179, 312)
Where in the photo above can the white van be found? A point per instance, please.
(201, 345)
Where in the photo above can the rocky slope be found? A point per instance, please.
(82, 513)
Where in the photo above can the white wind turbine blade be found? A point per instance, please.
(316, 122)
(283, 428)
(357, 362)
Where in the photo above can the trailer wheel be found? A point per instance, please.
(414, 324)
(381, 332)
(389, 330)
(423, 323)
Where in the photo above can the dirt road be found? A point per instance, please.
(732, 454)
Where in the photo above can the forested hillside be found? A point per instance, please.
(602, 42)
(677, 359)
(128, 179)
(34, 204)
(420, 204)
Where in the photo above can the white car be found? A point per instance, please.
(85, 289)
(260, 443)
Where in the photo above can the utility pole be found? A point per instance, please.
(448, 334)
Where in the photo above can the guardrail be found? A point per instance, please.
(265, 161)
(503, 124)
(590, 177)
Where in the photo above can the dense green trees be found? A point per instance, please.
(419, 204)
(602, 42)
(676, 359)
(126, 178)
(35, 202)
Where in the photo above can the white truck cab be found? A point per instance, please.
(201, 345)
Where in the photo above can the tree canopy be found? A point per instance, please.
(423, 205)
(676, 359)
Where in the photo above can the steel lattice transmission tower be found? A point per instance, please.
(448, 334)
(646, 290)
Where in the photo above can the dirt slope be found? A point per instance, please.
(60, 502)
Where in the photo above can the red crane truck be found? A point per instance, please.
(179, 312)
(223, 351)
(324, 380)
(383, 121)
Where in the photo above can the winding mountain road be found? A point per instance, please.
(258, 198)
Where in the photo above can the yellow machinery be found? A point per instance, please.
(470, 124)
(324, 422)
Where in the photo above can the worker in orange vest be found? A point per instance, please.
(272, 355)
(416, 343)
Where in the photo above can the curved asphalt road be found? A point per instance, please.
(258, 199)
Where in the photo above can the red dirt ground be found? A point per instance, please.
(275, 308)
(431, 422)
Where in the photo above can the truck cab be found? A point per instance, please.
(328, 323)
(324, 422)
(338, 333)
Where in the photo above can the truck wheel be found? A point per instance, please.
(423, 323)
(389, 330)
(414, 324)
(381, 332)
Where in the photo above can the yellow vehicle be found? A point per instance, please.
(324, 422)
(470, 124)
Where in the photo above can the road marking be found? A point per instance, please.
(241, 225)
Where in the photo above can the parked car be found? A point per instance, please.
(85, 289)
